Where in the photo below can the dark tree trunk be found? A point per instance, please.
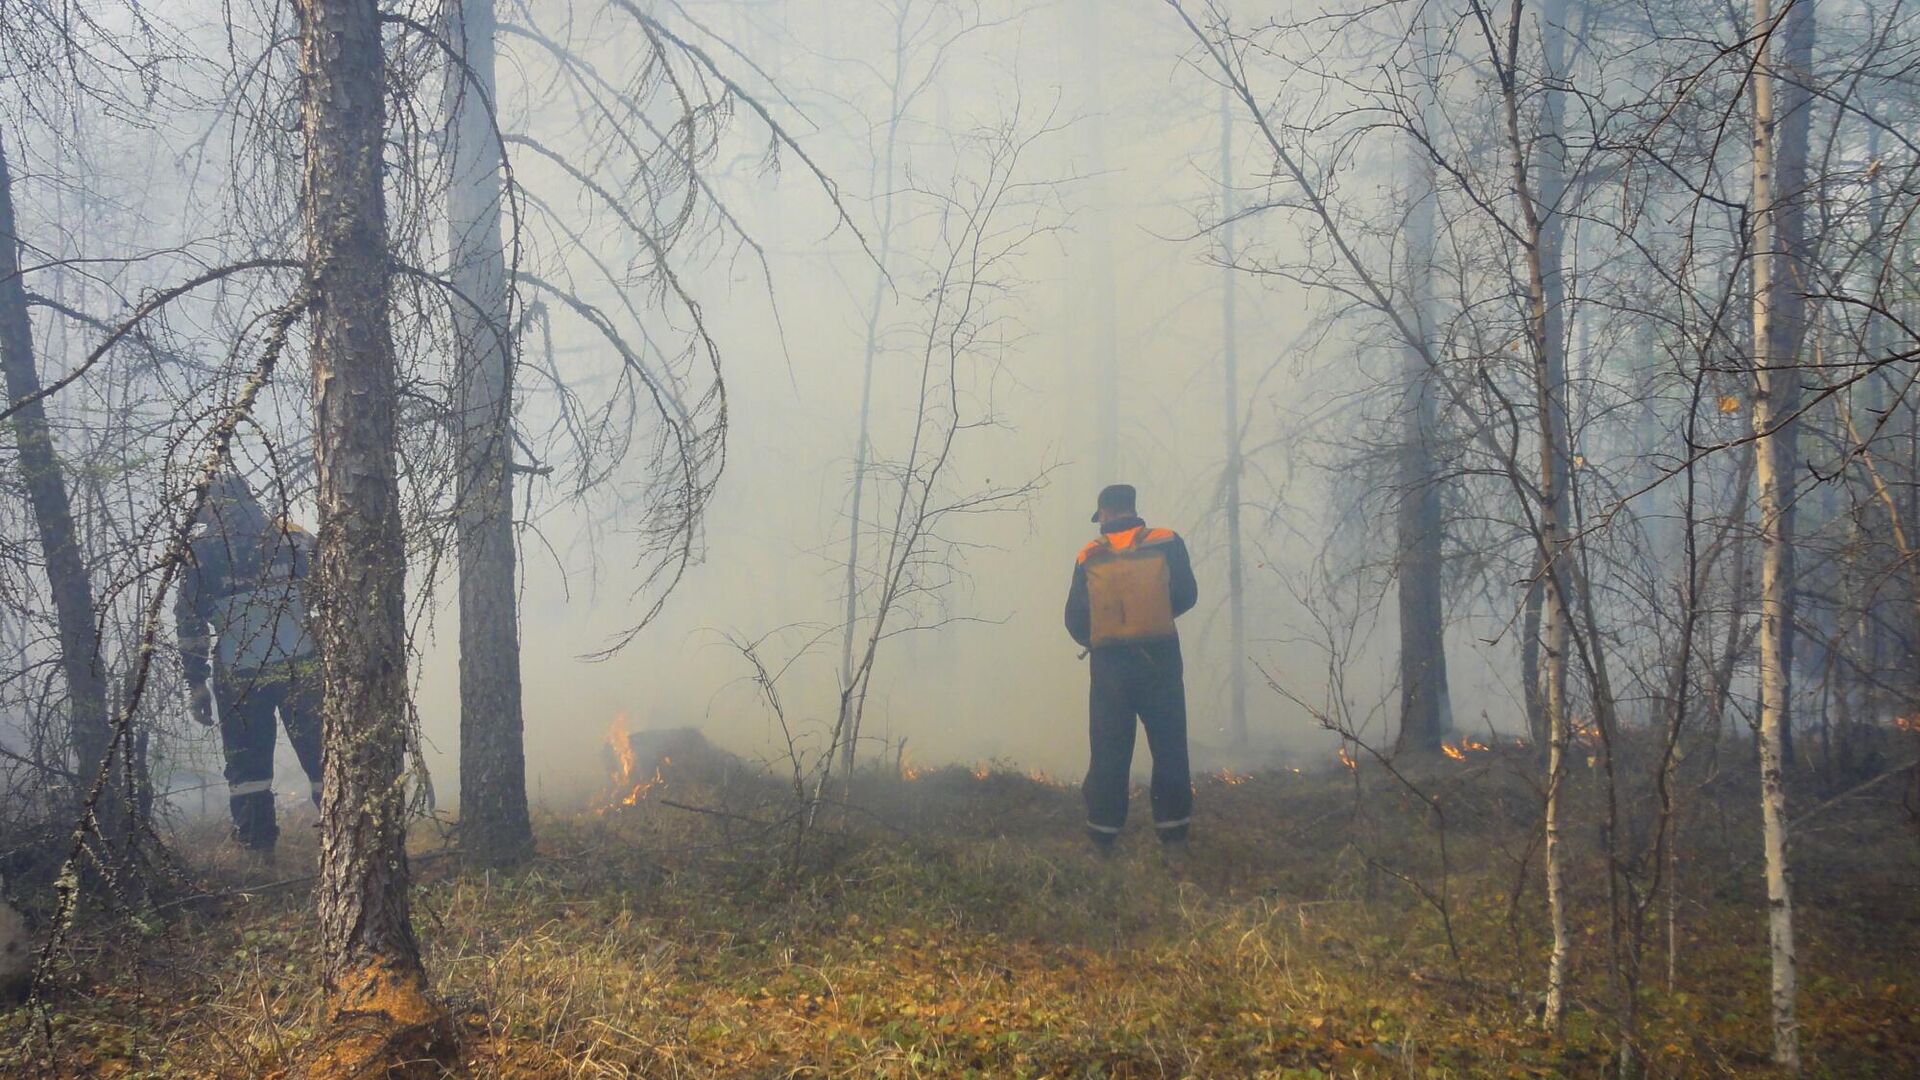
(89, 730)
(494, 826)
(1426, 711)
(369, 959)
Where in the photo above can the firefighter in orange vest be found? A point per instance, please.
(1128, 587)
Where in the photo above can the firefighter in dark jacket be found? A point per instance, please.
(1128, 587)
(245, 580)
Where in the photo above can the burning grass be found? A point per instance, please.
(954, 926)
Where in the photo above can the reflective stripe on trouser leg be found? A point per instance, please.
(247, 729)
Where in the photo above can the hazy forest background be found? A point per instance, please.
(698, 404)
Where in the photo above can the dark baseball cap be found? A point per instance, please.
(1115, 497)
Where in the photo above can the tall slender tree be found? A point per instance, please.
(1773, 481)
(495, 829)
(1231, 477)
(41, 473)
(370, 961)
(1790, 278)
(1426, 711)
(899, 96)
(1537, 159)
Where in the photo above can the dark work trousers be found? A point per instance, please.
(248, 701)
(1143, 681)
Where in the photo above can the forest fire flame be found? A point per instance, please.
(1231, 778)
(626, 790)
(1459, 751)
(1347, 759)
(1907, 723)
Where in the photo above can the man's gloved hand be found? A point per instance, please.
(201, 705)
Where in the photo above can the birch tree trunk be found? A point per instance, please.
(1539, 181)
(1426, 712)
(494, 826)
(1792, 262)
(1230, 482)
(370, 962)
(1773, 479)
(89, 731)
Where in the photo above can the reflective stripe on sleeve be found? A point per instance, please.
(249, 787)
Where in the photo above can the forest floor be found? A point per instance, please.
(957, 926)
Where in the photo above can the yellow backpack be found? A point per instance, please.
(1129, 587)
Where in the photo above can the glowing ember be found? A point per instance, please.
(1231, 778)
(1347, 759)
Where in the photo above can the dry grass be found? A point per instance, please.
(954, 926)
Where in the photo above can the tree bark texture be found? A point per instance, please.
(370, 962)
(90, 732)
(1773, 479)
(1790, 281)
(1539, 185)
(495, 829)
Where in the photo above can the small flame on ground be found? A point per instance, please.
(1459, 751)
(1231, 778)
(627, 792)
